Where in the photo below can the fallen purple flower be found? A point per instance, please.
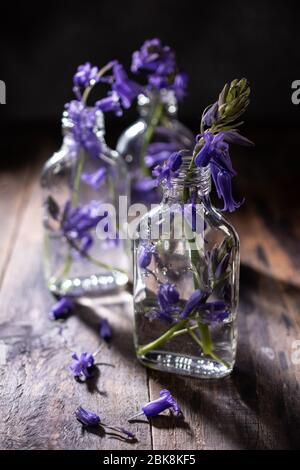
(82, 366)
(90, 419)
(155, 407)
(105, 330)
(86, 417)
(61, 308)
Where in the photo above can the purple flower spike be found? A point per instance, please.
(81, 367)
(145, 255)
(105, 330)
(85, 76)
(61, 308)
(166, 401)
(192, 303)
(86, 417)
(94, 179)
(125, 88)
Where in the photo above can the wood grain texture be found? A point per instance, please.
(13, 197)
(256, 408)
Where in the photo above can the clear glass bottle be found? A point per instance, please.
(185, 253)
(76, 189)
(150, 140)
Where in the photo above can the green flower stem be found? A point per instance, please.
(154, 121)
(77, 180)
(162, 339)
(205, 347)
(100, 74)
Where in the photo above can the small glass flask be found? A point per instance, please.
(85, 250)
(186, 281)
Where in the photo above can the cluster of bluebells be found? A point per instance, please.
(215, 153)
(171, 308)
(158, 62)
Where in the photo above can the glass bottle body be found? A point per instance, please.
(150, 141)
(83, 250)
(194, 259)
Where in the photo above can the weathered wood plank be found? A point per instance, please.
(256, 407)
(13, 196)
(38, 395)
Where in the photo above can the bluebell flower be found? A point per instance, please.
(111, 103)
(82, 366)
(83, 122)
(169, 170)
(95, 179)
(87, 417)
(165, 402)
(216, 311)
(125, 88)
(159, 63)
(62, 307)
(90, 419)
(193, 303)
(145, 255)
(105, 330)
(159, 152)
(167, 299)
(180, 85)
(222, 180)
(78, 221)
(153, 57)
(85, 75)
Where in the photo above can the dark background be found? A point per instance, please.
(42, 44)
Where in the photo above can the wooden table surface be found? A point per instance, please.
(256, 408)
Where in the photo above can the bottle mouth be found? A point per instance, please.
(192, 176)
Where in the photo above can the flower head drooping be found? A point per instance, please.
(169, 170)
(61, 308)
(145, 255)
(167, 299)
(90, 419)
(105, 330)
(159, 64)
(155, 407)
(82, 366)
(125, 88)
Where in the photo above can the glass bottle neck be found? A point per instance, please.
(152, 99)
(189, 185)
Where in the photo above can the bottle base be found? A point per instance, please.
(198, 367)
(95, 284)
